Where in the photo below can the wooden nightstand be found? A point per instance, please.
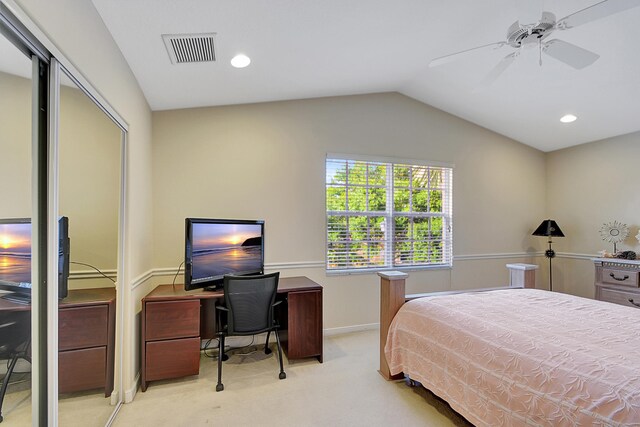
(618, 281)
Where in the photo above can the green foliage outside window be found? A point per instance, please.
(360, 227)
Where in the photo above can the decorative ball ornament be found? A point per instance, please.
(549, 253)
(614, 232)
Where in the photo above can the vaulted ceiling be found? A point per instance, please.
(309, 48)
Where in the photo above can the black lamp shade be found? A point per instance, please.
(548, 228)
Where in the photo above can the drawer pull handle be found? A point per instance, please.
(634, 303)
(617, 278)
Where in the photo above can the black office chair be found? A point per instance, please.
(248, 302)
(15, 342)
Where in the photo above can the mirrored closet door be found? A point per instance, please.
(89, 206)
(16, 210)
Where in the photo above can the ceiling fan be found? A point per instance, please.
(521, 36)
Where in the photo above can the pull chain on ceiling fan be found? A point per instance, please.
(522, 36)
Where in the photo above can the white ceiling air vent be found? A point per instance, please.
(184, 48)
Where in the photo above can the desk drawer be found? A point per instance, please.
(83, 327)
(172, 358)
(172, 319)
(620, 277)
(620, 297)
(84, 369)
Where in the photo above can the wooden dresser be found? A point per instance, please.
(618, 281)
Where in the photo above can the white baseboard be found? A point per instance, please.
(131, 393)
(348, 329)
(114, 398)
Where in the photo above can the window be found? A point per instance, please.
(387, 214)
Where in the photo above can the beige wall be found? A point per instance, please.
(266, 161)
(89, 186)
(15, 146)
(589, 185)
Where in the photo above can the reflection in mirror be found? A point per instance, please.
(15, 234)
(89, 201)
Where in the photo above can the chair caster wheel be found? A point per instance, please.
(282, 375)
(219, 387)
(267, 350)
(225, 357)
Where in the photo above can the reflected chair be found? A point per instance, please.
(249, 303)
(15, 341)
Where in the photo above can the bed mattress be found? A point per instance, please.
(523, 357)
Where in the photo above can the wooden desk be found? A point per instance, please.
(174, 321)
(86, 338)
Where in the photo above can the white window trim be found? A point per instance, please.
(448, 217)
(386, 159)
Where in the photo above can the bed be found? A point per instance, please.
(519, 357)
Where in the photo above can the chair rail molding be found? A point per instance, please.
(293, 265)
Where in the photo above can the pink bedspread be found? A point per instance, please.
(523, 357)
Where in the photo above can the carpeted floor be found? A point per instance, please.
(87, 409)
(345, 390)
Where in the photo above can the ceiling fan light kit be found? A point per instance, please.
(537, 35)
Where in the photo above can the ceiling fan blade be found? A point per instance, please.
(497, 71)
(455, 56)
(570, 54)
(597, 11)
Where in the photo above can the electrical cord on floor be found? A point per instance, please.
(206, 347)
(227, 348)
(253, 340)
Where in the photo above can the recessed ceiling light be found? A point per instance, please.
(568, 118)
(240, 61)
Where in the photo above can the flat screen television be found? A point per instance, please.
(15, 258)
(215, 247)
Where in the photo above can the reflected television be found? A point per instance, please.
(215, 247)
(15, 258)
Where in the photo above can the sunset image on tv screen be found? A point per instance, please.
(226, 249)
(15, 252)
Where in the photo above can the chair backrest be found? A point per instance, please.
(249, 300)
(15, 331)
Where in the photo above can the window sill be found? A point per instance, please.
(376, 270)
